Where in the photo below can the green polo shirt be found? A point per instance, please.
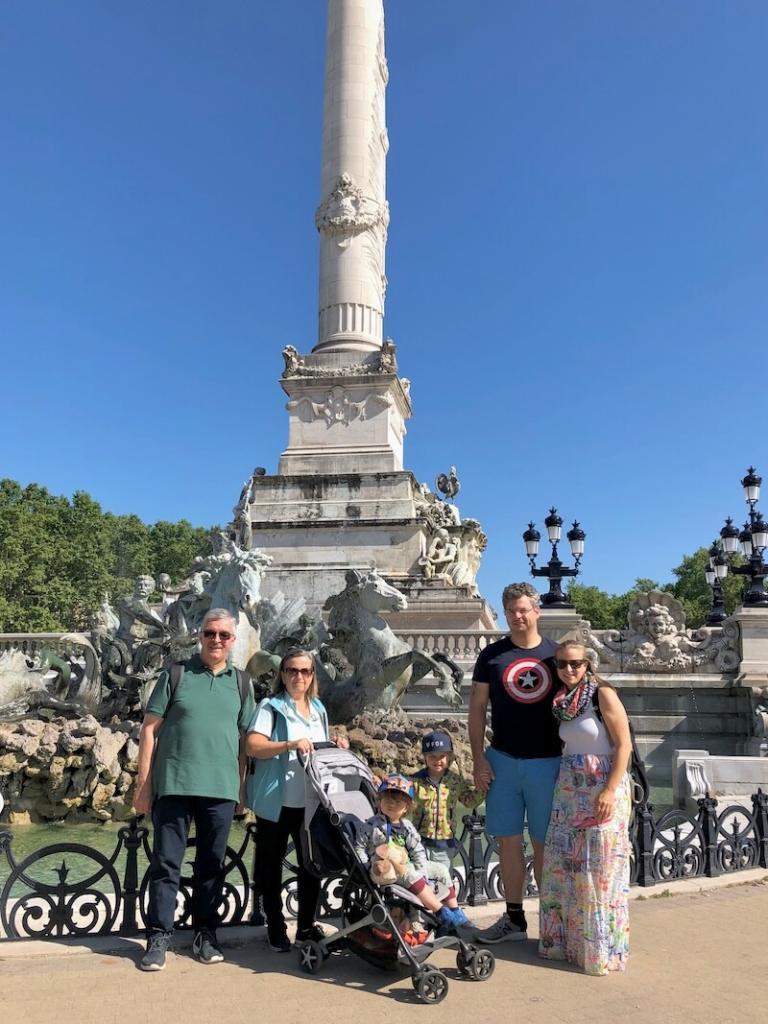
(198, 745)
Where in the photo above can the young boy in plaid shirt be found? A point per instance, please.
(437, 792)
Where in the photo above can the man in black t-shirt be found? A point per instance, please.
(518, 771)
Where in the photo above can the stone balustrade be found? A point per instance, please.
(463, 645)
(31, 644)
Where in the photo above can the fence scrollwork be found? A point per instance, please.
(69, 889)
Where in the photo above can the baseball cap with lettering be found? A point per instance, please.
(437, 742)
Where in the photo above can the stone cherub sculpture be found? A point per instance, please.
(657, 640)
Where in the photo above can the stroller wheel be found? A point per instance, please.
(482, 965)
(431, 986)
(310, 956)
(463, 963)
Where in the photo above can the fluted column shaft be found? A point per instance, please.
(353, 215)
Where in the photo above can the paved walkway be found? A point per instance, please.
(697, 955)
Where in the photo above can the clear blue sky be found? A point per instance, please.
(577, 256)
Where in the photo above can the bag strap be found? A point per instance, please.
(640, 785)
(245, 686)
(176, 673)
(174, 676)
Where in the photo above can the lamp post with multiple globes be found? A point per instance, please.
(555, 571)
(752, 540)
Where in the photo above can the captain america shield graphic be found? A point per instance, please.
(527, 680)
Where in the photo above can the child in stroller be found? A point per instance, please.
(340, 829)
(391, 840)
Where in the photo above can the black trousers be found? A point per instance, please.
(271, 846)
(171, 817)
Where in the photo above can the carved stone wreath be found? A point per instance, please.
(296, 366)
(348, 211)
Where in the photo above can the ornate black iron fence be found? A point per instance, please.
(68, 889)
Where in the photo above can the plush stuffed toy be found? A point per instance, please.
(388, 864)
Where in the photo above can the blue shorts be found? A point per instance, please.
(521, 786)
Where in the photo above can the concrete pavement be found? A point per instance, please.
(698, 954)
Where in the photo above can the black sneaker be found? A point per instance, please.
(277, 940)
(205, 948)
(504, 930)
(314, 932)
(157, 946)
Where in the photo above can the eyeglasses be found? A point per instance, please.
(572, 665)
(211, 634)
(298, 671)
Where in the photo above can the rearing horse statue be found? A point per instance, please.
(384, 666)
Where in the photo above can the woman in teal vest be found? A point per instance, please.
(289, 722)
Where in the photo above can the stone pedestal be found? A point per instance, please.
(753, 627)
(344, 419)
(554, 623)
(318, 526)
(443, 606)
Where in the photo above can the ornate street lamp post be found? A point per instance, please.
(714, 574)
(753, 540)
(554, 570)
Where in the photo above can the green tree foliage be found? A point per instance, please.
(608, 611)
(58, 557)
(174, 545)
(601, 609)
(693, 590)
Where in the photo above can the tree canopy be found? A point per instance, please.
(59, 556)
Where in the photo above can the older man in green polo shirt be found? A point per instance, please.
(191, 767)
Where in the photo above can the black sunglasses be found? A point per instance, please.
(573, 665)
(211, 634)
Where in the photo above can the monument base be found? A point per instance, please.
(318, 527)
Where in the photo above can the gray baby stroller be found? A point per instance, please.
(339, 797)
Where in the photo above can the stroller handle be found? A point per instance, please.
(304, 759)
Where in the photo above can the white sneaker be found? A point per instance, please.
(502, 931)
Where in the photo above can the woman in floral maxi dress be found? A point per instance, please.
(584, 915)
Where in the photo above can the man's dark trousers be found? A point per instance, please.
(171, 817)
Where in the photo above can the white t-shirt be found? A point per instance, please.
(298, 729)
(585, 735)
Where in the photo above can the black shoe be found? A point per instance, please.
(314, 933)
(277, 940)
(157, 946)
(205, 948)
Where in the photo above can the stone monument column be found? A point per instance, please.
(353, 214)
(341, 498)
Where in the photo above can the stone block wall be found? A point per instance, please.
(76, 770)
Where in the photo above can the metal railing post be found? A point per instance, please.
(132, 838)
(708, 822)
(476, 887)
(760, 805)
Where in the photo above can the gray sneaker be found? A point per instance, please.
(157, 946)
(503, 930)
(205, 948)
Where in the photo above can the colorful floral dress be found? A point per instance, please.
(583, 909)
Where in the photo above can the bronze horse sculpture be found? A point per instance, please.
(383, 665)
